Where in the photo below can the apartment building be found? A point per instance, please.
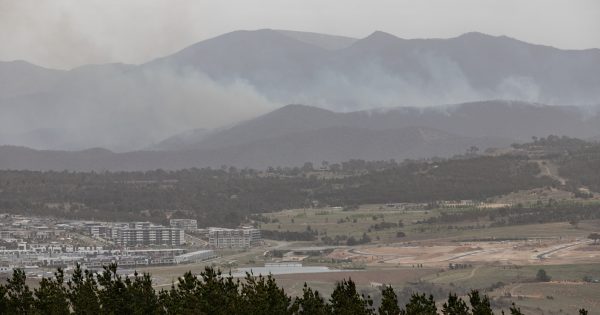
(185, 224)
(234, 238)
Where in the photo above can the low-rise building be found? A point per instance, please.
(195, 256)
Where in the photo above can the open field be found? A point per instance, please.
(553, 297)
(502, 261)
(397, 277)
(505, 252)
(337, 222)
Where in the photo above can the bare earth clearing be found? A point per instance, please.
(507, 252)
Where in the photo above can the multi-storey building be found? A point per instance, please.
(233, 238)
(97, 230)
(185, 224)
(140, 233)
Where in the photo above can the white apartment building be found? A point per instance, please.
(185, 224)
(233, 238)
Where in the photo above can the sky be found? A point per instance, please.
(65, 34)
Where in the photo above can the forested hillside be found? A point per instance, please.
(226, 196)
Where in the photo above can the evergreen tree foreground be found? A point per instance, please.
(211, 292)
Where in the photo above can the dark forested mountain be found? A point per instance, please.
(241, 74)
(330, 144)
(296, 134)
(514, 121)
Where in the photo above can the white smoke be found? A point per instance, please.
(128, 111)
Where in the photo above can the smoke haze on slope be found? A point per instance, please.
(130, 111)
(68, 33)
(127, 107)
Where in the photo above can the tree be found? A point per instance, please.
(19, 296)
(346, 300)
(480, 305)
(389, 302)
(595, 237)
(420, 304)
(261, 296)
(51, 295)
(3, 300)
(113, 294)
(141, 294)
(210, 293)
(307, 167)
(217, 294)
(82, 292)
(311, 303)
(514, 310)
(455, 306)
(542, 276)
(574, 222)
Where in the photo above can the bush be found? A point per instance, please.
(542, 276)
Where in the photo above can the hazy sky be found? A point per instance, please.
(68, 33)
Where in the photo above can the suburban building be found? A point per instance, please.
(195, 256)
(185, 224)
(233, 238)
(142, 233)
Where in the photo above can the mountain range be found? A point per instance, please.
(243, 74)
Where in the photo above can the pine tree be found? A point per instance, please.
(218, 294)
(82, 292)
(19, 296)
(480, 305)
(3, 300)
(183, 298)
(389, 302)
(420, 304)
(51, 296)
(261, 296)
(212, 293)
(143, 299)
(455, 306)
(346, 300)
(311, 303)
(113, 294)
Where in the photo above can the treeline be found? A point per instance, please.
(476, 178)
(551, 211)
(210, 293)
(229, 196)
(578, 160)
(582, 168)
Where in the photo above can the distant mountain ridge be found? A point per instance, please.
(242, 74)
(516, 121)
(295, 134)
